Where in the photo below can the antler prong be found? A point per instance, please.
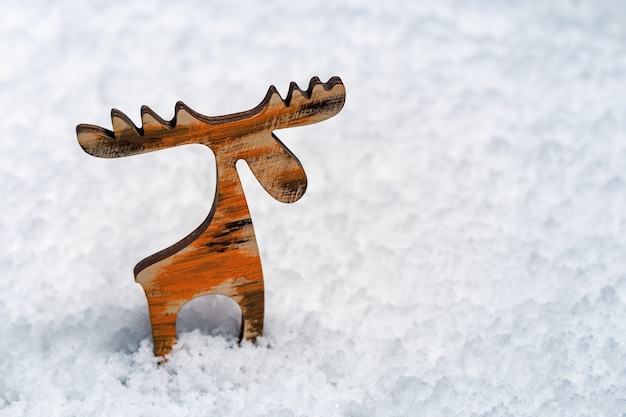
(314, 82)
(184, 116)
(294, 91)
(319, 102)
(151, 122)
(273, 98)
(123, 127)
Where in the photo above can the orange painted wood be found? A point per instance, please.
(221, 256)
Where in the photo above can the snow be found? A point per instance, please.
(459, 251)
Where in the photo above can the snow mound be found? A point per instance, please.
(459, 251)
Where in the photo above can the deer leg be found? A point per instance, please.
(252, 303)
(163, 327)
(164, 334)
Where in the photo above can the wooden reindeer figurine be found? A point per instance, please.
(221, 256)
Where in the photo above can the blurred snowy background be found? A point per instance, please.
(460, 251)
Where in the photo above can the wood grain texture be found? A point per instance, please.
(221, 256)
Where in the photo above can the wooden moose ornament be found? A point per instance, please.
(221, 255)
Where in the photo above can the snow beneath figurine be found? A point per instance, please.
(460, 250)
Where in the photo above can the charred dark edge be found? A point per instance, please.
(183, 243)
(83, 127)
(329, 85)
(293, 87)
(121, 115)
(315, 81)
(165, 123)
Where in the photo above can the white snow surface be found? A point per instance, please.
(460, 250)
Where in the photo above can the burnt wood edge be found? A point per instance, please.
(329, 85)
(181, 244)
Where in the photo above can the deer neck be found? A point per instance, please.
(230, 203)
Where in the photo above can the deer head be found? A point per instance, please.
(246, 135)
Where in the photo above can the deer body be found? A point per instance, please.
(221, 256)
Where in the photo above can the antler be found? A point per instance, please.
(319, 102)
